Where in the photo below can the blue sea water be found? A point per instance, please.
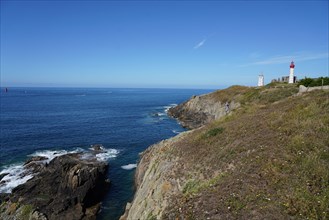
(42, 121)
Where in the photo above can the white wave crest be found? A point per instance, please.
(167, 107)
(129, 166)
(51, 154)
(176, 132)
(107, 154)
(15, 176)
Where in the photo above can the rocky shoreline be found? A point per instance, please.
(200, 110)
(70, 186)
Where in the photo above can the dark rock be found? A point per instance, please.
(91, 212)
(3, 175)
(189, 118)
(34, 165)
(97, 147)
(4, 197)
(200, 110)
(35, 159)
(66, 188)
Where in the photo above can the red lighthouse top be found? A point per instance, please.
(292, 65)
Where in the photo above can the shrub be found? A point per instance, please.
(213, 132)
(26, 211)
(309, 82)
(305, 82)
(192, 186)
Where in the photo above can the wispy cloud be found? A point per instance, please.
(284, 59)
(200, 44)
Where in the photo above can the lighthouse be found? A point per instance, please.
(260, 80)
(291, 75)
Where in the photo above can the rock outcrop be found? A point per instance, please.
(200, 110)
(154, 181)
(70, 186)
(303, 89)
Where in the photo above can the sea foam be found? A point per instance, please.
(51, 154)
(167, 107)
(107, 154)
(104, 154)
(15, 176)
(129, 166)
(176, 132)
(16, 173)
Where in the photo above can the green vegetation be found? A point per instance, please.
(15, 210)
(276, 84)
(228, 94)
(193, 187)
(150, 216)
(3, 206)
(255, 95)
(309, 82)
(274, 152)
(26, 210)
(277, 94)
(213, 132)
(267, 95)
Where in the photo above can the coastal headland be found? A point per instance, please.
(266, 157)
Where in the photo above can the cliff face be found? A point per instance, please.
(200, 110)
(155, 181)
(266, 160)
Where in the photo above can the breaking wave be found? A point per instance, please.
(129, 166)
(13, 176)
(16, 174)
(51, 154)
(167, 107)
(176, 132)
(107, 154)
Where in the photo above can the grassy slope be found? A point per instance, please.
(267, 160)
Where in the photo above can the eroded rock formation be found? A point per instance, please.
(200, 110)
(69, 187)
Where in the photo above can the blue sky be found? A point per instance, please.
(160, 44)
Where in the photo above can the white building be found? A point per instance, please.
(261, 80)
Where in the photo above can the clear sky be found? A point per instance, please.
(160, 44)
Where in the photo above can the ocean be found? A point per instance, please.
(54, 121)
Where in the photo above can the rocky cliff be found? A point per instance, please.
(200, 110)
(266, 160)
(68, 187)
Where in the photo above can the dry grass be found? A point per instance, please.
(228, 94)
(272, 157)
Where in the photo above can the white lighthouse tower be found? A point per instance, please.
(261, 80)
(291, 75)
